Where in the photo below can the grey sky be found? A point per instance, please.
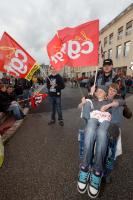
(33, 23)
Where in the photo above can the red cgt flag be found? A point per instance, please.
(36, 99)
(58, 57)
(1, 60)
(16, 61)
(81, 44)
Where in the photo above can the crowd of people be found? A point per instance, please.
(8, 102)
(15, 94)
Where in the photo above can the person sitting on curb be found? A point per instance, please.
(13, 99)
(7, 103)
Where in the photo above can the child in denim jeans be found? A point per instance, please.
(96, 133)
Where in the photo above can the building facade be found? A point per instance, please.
(115, 42)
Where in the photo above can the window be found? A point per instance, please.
(105, 41)
(120, 33)
(126, 48)
(110, 53)
(104, 54)
(118, 51)
(110, 38)
(129, 26)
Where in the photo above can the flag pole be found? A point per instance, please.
(44, 73)
(81, 91)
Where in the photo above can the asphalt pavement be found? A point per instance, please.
(42, 163)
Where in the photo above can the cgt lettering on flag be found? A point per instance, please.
(37, 98)
(56, 53)
(17, 62)
(73, 49)
(81, 44)
(76, 47)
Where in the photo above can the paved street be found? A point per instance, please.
(41, 161)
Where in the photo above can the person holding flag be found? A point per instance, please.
(55, 84)
(76, 46)
(106, 76)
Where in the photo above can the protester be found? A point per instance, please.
(115, 128)
(18, 89)
(76, 82)
(55, 84)
(106, 76)
(72, 82)
(122, 83)
(10, 93)
(129, 83)
(4, 102)
(95, 133)
(35, 84)
(8, 103)
(113, 133)
(26, 85)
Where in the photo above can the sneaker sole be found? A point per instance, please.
(90, 195)
(80, 191)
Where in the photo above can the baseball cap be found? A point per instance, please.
(107, 62)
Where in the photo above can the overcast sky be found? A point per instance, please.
(33, 23)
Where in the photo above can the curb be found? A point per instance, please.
(11, 131)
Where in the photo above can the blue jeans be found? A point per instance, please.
(86, 111)
(95, 135)
(56, 106)
(18, 114)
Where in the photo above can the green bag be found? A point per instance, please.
(1, 152)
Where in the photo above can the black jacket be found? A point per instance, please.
(11, 97)
(58, 80)
(102, 79)
(4, 102)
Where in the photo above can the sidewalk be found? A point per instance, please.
(10, 125)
